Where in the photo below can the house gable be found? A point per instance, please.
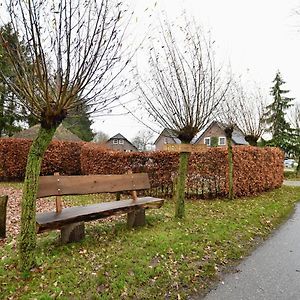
(167, 136)
(119, 143)
(215, 135)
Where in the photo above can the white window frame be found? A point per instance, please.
(207, 139)
(222, 137)
(121, 142)
(115, 141)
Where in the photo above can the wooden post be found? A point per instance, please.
(133, 193)
(118, 196)
(58, 202)
(3, 205)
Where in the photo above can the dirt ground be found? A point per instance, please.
(14, 211)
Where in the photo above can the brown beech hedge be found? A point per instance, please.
(255, 169)
(62, 157)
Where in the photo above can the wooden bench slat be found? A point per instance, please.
(52, 220)
(91, 184)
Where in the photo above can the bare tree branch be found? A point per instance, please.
(75, 54)
(185, 86)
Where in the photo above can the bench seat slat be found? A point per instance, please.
(53, 220)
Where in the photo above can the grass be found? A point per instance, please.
(167, 259)
(291, 174)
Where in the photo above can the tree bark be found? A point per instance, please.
(252, 140)
(3, 204)
(230, 168)
(27, 241)
(180, 186)
(228, 131)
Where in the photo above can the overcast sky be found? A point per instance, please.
(256, 37)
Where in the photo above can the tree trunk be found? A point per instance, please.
(3, 204)
(252, 140)
(27, 242)
(228, 131)
(230, 168)
(180, 186)
(298, 167)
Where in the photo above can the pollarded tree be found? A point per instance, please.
(74, 55)
(183, 89)
(249, 109)
(275, 114)
(242, 111)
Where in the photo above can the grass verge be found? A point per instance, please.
(167, 259)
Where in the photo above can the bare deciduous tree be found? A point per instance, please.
(101, 137)
(184, 88)
(241, 111)
(249, 109)
(142, 140)
(73, 57)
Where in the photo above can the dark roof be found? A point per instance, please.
(169, 133)
(119, 136)
(61, 134)
(237, 135)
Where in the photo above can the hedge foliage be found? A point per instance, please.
(62, 157)
(255, 169)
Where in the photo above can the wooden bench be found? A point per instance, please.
(71, 220)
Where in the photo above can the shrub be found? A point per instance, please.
(62, 157)
(255, 169)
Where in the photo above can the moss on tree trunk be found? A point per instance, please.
(230, 168)
(228, 131)
(180, 186)
(27, 242)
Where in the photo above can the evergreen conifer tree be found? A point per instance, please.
(275, 115)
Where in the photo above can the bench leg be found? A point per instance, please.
(136, 218)
(72, 233)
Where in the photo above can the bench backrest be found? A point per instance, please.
(58, 185)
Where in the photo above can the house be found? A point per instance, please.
(214, 135)
(120, 143)
(167, 136)
(61, 134)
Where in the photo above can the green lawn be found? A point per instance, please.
(167, 259)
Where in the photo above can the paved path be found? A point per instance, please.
(272, 272)
(291, 183)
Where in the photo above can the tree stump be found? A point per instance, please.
(3, 205)
(136, 218)
(72, 233)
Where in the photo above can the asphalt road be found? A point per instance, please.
(291, 183)
(272, 272)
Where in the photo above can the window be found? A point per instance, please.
(222, 141)
(207, 141)
(121, 142)
(115, 142)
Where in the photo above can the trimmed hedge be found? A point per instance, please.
(62, 157)
(255, 169)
